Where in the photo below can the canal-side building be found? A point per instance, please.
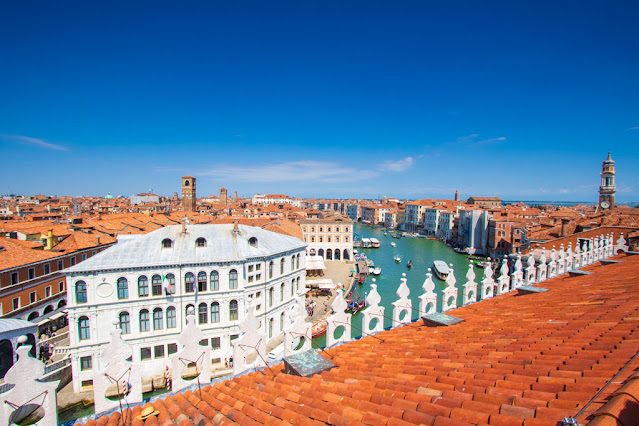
(472, 230)
(330, 237)
(149, 282)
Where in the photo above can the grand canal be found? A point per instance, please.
(422, 252)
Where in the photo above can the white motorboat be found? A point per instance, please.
(398, 259)
(393, 244)
(377, 271)
(441, 269)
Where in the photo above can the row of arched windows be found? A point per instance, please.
(328, 228)
(155, 320)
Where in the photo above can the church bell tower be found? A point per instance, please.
(607, 187)
(188, 194)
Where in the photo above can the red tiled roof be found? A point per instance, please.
(516, 360)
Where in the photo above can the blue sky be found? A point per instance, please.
(410, 99)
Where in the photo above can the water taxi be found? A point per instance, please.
(394, 244)
(398, 259)
(441, 269)
(374, 243)
(377, 271)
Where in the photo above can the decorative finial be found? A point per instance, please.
(22, 339)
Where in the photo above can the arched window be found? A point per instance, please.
(189, 280)
(321, 229)
(253, 241)
(328, 229)
(170, 283)
(233, 279)
(144, 320)
(271, 292)
(292, 263)
(203, 313)
(81, 292)
(337, 239)
(346, 229)
(215, 281)
(282, 321)
(233, 310)
(328, 239)
(312, 229)
(292, 287)
(297, 285)
(270, 270)
(123, 288)
(201, 281)
(170, 317)
(321, 239)
(215, 312)
(125, 323)
(83, 328)
(167, 243)
(200, 242)
(270, 327)
(312, 239)
(156, 285)
(143, 286)
(282, 267)
(158, 320)
(282, 292)
(298, 261)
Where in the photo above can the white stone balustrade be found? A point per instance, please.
(552, 264)
(488, 282)
(504, 278)
(251, 342)
(403, 306)
(531, 271)
(339, 319)
(428, 300)
(517, 278)
(373, 314)
(297, 331)
(470, 288)
(450, 292)
(542, 268)
(193, 353)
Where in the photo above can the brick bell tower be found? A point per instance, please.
(189, 198)
(607, 188)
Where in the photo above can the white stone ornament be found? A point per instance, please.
(118, 371)
(251, 341)
(488, 282)
(403, 306)
(339, 319)
(29, 398)
(428, 300)
(621, 245)
(576, 261)
(569, 258)
(191, 352)
(470, 288)
(517, 279)
(561, 261)
(504, 277)
(450, 292)
(297, 330)
(552, 265)
(542, 268)
(531, 271)
(373, 312)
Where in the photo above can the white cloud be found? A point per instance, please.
(398, 165)
(472, 140)
(293, 171)
(33, 141)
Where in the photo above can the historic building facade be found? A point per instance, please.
(189, 196)
(148, 283)
(331, 237)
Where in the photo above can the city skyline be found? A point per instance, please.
(364, 99)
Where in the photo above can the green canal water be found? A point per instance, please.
(422, 252)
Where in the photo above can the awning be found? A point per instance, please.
(327, 286)
(314, 263)
(323, 284)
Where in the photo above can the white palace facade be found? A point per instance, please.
(149, 282)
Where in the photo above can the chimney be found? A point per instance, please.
(236, 230)
(98, 238)
(563, 226)
(184, 226)
(49, 240)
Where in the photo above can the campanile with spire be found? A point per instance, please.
(607, 188)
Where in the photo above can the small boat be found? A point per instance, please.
(355, 304)
(398, 259)
(377, 271)
(375, 243)
(385, 233)
(441, 269)
(394, 244)
(409, 264)
(319, 328)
